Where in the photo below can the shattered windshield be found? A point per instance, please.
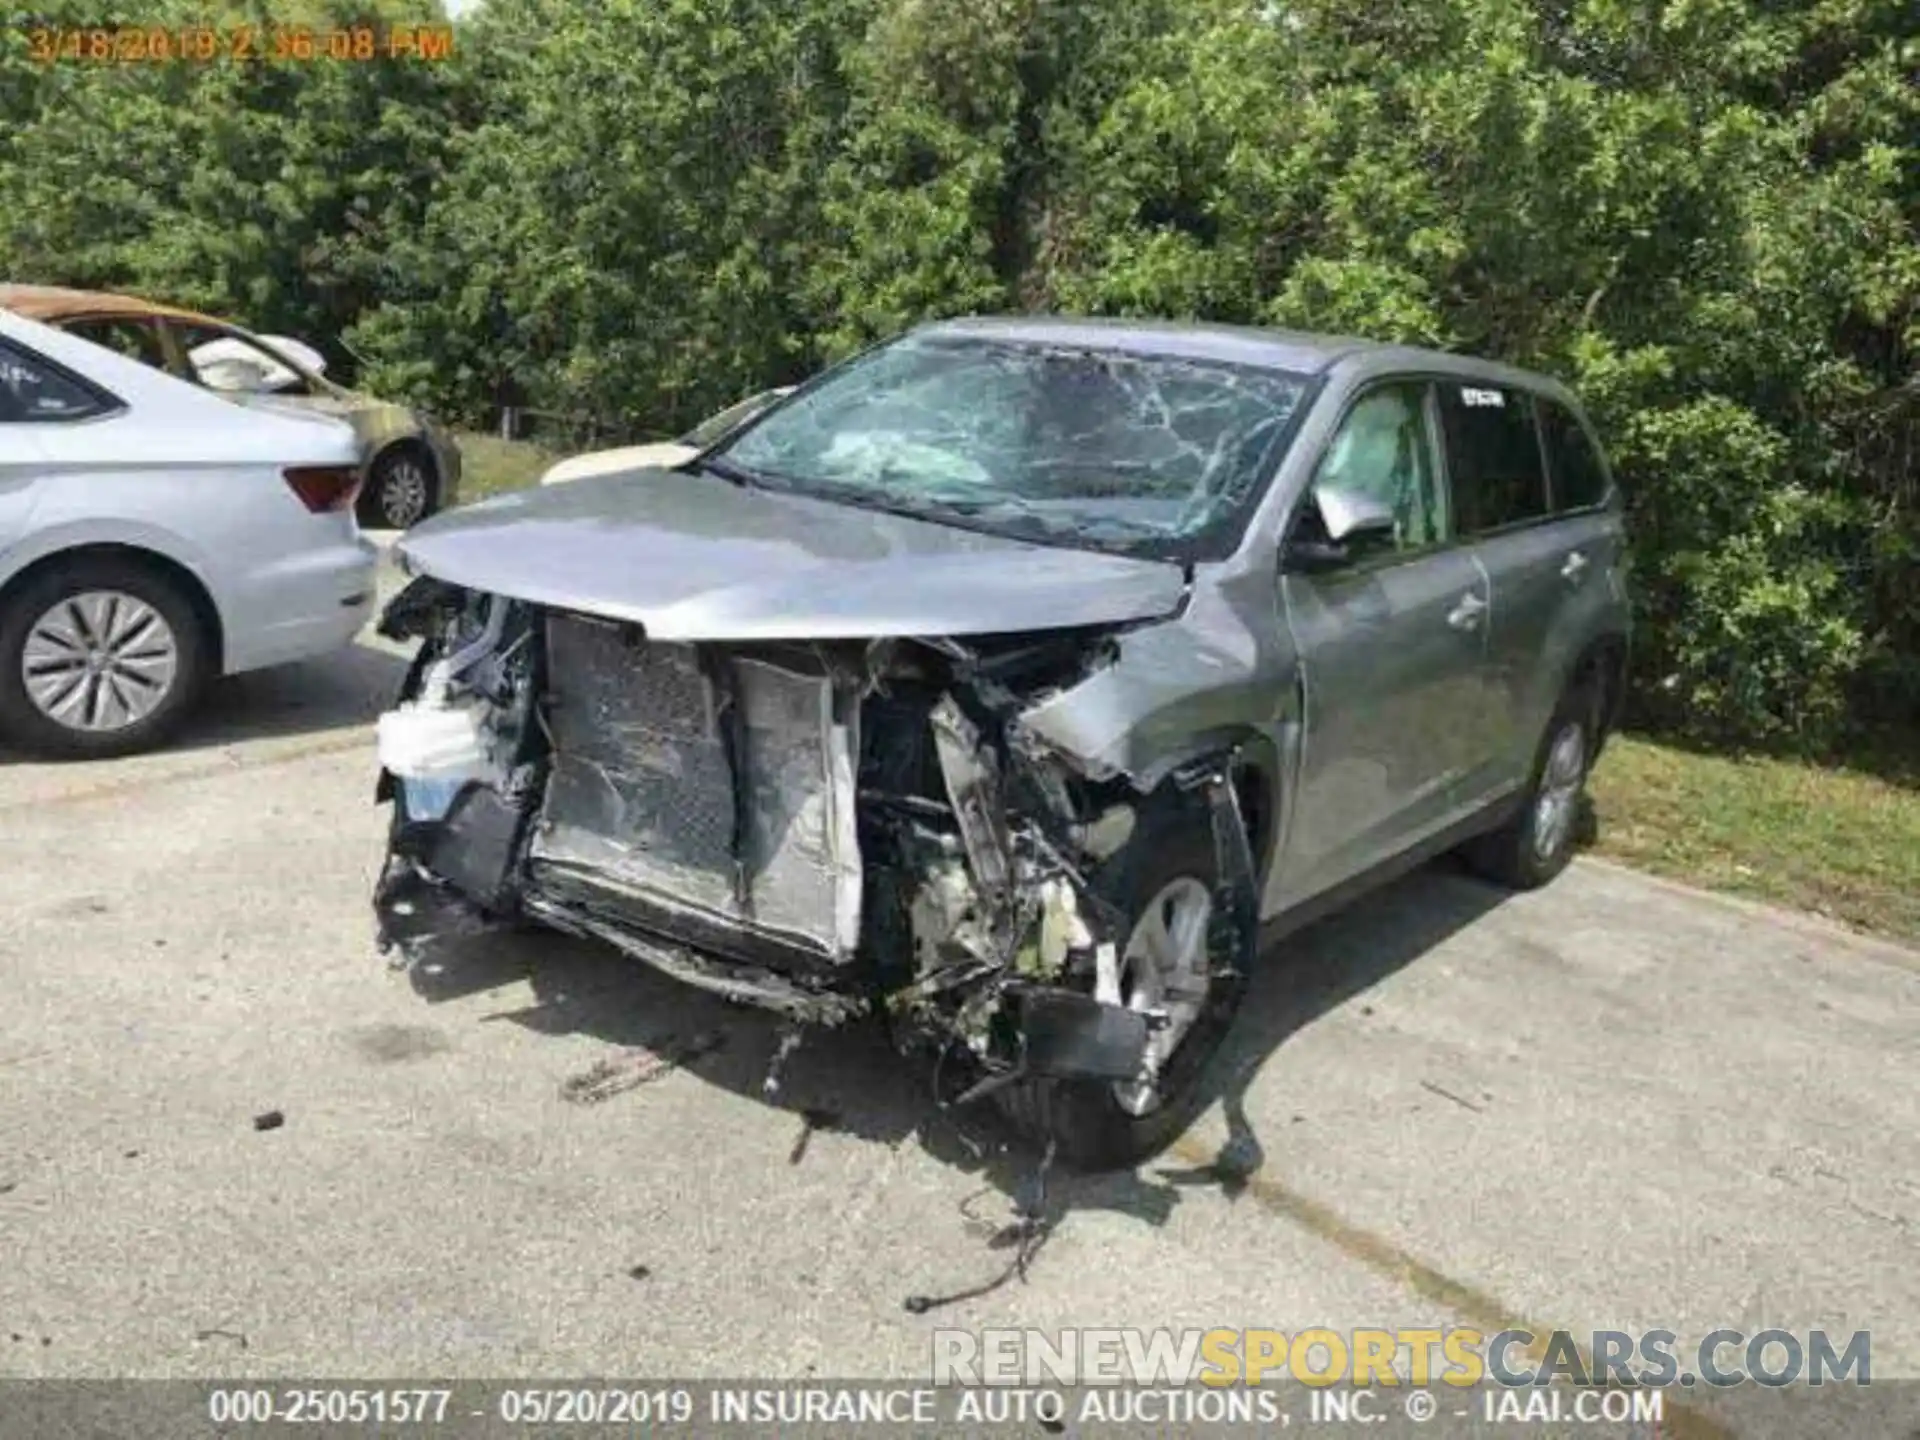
(1072, 446)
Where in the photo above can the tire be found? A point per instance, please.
(400, 490)
(1537, 843)
(163, 651)
(1087, 1119)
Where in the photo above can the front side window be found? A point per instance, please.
(1383, 451)
(1579, 477)
(1053, 443)
(34, 390)
(1493, 455)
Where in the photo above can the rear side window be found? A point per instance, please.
(1579, 477)
(33, 389)
(1493, 455)
(135, 339)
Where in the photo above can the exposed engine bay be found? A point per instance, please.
(822, 829)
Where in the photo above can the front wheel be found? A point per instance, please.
(1174, 967)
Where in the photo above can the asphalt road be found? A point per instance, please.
(1614, 1103)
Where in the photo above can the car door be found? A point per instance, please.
(1535, 561)
(1391, 648)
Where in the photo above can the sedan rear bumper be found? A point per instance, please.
(302, 605)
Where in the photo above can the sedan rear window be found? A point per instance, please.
(1057, 444)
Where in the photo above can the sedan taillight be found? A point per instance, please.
(324, 487)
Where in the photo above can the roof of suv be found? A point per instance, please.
(1295, 350)
(50, 304)
(1299, 351)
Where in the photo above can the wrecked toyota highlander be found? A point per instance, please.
(1015, 682)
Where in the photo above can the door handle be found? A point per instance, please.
(1575, 567)
(1466, 615)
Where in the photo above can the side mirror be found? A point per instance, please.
(1349, 524)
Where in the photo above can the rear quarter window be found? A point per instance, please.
(1493, 455)
(35, 390)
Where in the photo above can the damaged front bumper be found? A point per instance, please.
(821, 830)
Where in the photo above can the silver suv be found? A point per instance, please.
(1018, 681)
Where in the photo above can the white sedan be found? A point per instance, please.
(152, 536)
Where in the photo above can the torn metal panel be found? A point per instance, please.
(747, 984)
(655, 796)
(973, 786)
(803, 847)
(1192, 686)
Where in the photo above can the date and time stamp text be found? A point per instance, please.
(103, 44)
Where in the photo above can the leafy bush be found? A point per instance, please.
(1701, 215)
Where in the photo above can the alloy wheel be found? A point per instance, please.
(1164, 972)
(1559, 796)
(100, 660)
(403, 491)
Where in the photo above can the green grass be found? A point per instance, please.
(492, 466)
(1840, 842)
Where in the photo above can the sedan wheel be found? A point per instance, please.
(100, 655)
(400, 490)
(99, 661)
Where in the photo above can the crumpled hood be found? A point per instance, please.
(695, 557)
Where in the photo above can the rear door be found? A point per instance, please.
(1392, 650)
(1497, 470)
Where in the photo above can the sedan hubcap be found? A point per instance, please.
(1164, 975)
(1559, 790)
(403, 493)
(100, 660)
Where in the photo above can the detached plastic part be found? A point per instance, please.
(433, 750)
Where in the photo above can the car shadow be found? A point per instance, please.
(1318, 969)
(854, 1083)
(341, 691)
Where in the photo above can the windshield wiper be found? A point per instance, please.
(730, 472)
